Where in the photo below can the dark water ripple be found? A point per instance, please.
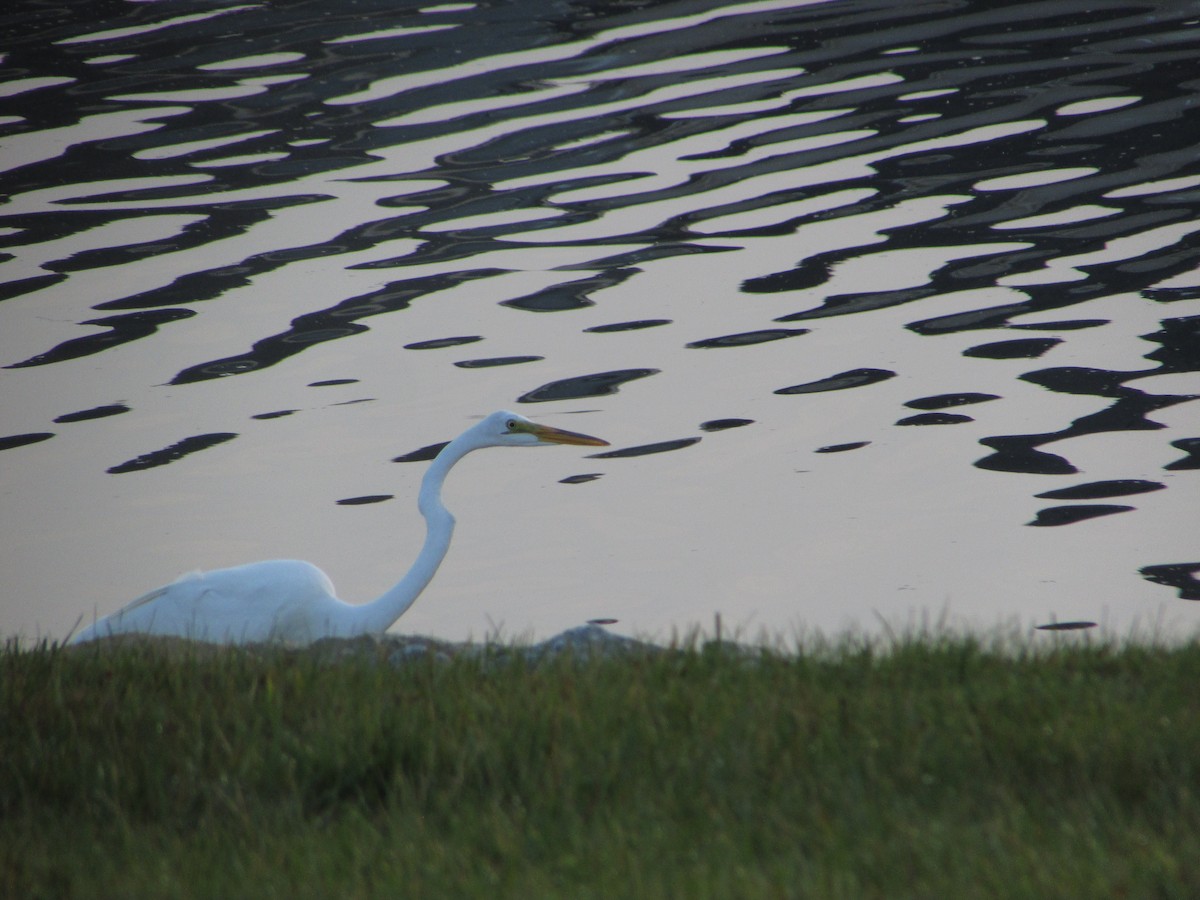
(747, 338)
(645, 449)
(934, 418)
(581, 479)
(1181, 576)
(627, 326)
(842, 448)
(1065, 515)
(496, 361)
(1191, 446)
(1022, 348)
(121, 329)
(277, 414)
(1097, 490)
(723, 424)
(595, 385)
(170, 454)
(1067, 626)
(947, 401)
(365, 499)
(99, 412)
(840, 382)
(572, 295)
(12, 441)
(442, 343)
(423, 454)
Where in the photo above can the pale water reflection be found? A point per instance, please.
(887, 313)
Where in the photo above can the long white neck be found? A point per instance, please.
(377, 615)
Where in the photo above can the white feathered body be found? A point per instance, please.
(284, 600)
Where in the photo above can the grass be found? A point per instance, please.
(936, 767)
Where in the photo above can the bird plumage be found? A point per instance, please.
(293, 601)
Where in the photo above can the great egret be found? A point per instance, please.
(294, 602)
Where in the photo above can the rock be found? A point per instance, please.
(589, 642)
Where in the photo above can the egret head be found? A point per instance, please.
(508, 429)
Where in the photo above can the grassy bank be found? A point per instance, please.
(938, 768)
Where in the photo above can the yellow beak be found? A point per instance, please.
(559, 436)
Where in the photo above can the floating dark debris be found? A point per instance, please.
(362, 501)
(580, 479)
(1066, 626)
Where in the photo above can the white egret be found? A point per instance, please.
(292, 601)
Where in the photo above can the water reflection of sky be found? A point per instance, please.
(937, 265)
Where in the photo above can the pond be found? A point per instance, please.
(890, 312)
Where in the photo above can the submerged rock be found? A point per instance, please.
(589, 642)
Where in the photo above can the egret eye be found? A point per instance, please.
(512, 424)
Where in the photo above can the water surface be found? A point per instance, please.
(891, 312)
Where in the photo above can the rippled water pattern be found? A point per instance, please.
(601, 197)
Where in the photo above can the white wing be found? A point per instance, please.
(286, 600)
